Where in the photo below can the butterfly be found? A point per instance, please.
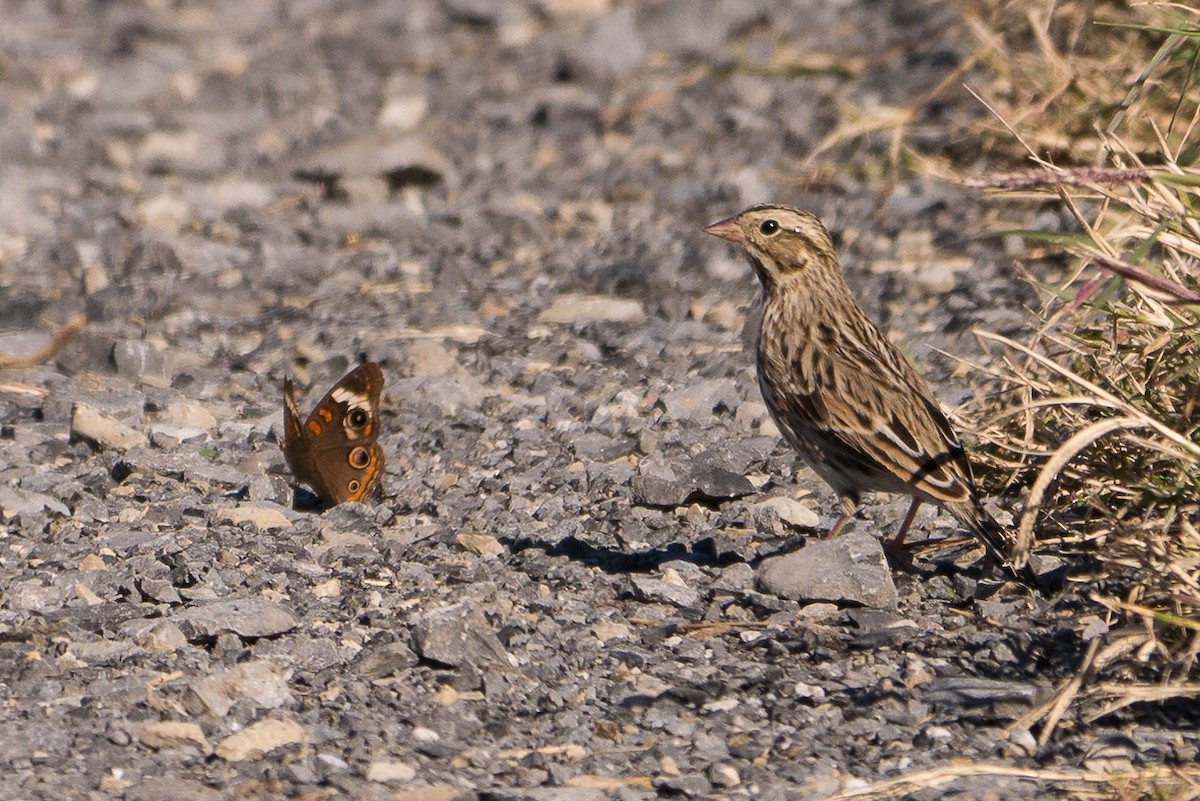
(336, 450)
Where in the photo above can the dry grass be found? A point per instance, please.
(1096, 416)
(1056, 71)
(1092, 420)
(1149, 784)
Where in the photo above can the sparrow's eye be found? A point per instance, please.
(769, 227)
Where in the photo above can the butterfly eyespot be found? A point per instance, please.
(358, 418)
(354, 486)
(769, 227)
(359, 458)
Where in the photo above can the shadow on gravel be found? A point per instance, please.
(612, 560)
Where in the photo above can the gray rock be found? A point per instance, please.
(658, 487)
(655, 590)
(719, 484)
(245, 617)
(736, 578)
(160, 590)
(15, 502)
(171, 788)
(656, 490)
(699, 401)
(458, 635)
(849, 569)
(379, 660)
(616, 47)
(968, 692)
(878, 627)
(694, 784)
(594, 445)
(35, 597)
(477, 12)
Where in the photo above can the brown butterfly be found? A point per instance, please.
(336, 451)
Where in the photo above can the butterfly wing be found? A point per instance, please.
(336, 450)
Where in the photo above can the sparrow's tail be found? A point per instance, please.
(999, 541)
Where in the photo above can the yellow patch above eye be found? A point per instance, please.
(314, 427)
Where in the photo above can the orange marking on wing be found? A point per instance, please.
(326, 414)
(314, 427)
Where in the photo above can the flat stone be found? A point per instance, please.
(91, 426)
(15, 502)
(433, 792)
(693, 784)
(390, 772)
(175, 734)
(719, 484)
(850, 569)
(724, 775)
(32, 596)
(698, 401)
(175, 433)
(592, 309)
(658, 487)
(167, 788)
(331, 588)
(261, 738)
(191, 413)
(609, 630)
(246, 617)
(482, 544)
(879, 627)
(601, 447)
(261, 516)
(966, 692)
(736, 578)
(656, 590)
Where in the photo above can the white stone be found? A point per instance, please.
(592, 308)
(390, 772)
(261, 517)
(89, 424)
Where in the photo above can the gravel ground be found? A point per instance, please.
(587, 575)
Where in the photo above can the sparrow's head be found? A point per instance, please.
(781, 242)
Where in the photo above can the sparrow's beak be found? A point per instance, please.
(727, 229)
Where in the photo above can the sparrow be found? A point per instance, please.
(840, 392)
